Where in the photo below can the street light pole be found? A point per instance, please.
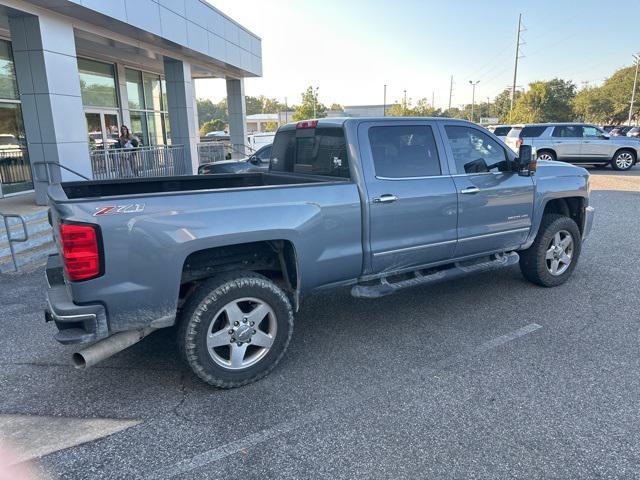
(473, 97)
(315, 101)
(404, 109)
(636, 57)
(384, 105)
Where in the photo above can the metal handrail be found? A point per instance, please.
(10, 239)
(46, 163)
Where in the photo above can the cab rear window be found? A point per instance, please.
(319, 151)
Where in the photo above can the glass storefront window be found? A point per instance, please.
(148, 107)
(152, 93)
(139, 127)
(97, 84)
(15, 171)
(8, 86)
(135, 90)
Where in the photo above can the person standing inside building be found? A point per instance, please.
(127, 144)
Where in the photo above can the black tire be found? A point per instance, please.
(551, 154)
(533, 261)
(199, 315)
(617, 162)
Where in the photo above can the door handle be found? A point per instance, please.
(470, 190)
(386, 198)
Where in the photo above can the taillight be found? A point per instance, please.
(80, 251)
(307, 124)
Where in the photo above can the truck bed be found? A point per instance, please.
(135, 186)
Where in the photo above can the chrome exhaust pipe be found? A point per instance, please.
(108, 347)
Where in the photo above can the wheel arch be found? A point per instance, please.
(276, 259)
(631, 150)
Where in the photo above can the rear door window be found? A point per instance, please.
(567, 131)
(319, 151)
(514, 132)
(501, 131)
(532, 132)
(404, 151)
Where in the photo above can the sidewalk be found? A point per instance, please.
(23, 205)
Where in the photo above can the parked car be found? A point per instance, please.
(608, 128)
(634, 132)
(258, 162)
(501, 131)
(619, 131)
(375, 204)
(576, 143)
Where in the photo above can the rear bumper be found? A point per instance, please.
(76, 323)
(589, 213)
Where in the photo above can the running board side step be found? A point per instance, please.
(421, 277)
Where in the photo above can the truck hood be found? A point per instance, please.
(548, 168)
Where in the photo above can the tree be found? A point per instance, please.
(610, 102)
(215, 125)
(422, 109)
(270, 126)
(593, 105)
(336, 107)
(501, 106)
(207, 111)
(305, 110)
(545, 101)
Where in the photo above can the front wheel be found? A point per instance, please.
(623, 160)
(547, 155)
(551, 259)
(235, 329)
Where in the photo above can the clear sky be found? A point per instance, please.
(351, 48)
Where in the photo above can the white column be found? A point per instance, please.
(44, 52)
(237, 117)
(182, 111)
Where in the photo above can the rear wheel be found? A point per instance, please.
(551, 259)
(547, 155)
(235, 329)
(623, 160)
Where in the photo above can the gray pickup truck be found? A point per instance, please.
(376, 204)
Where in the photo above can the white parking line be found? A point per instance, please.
(34, 436)
(223, 451)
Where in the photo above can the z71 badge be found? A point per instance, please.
(119, 209)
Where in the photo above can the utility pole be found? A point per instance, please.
(515, 68)
(315, 101)
(473, 97)
(636, 57)
(450, 91)
(384, 105)
(433, 99)
(404, 108)
(286, 111)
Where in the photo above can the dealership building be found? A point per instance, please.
(73, 71)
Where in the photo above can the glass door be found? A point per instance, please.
(102, 131)
(15, 170)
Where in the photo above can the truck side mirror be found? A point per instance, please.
(526, 162)
(254, 160)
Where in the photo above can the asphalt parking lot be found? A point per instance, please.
(487, 377)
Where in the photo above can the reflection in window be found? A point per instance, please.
(476, 152)
(8, 87)
(147, 102)
(135, 90)
(97, 84)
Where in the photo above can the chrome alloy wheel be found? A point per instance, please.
(559, 253)
(545, 156)
(624, 160)
(241, 333)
